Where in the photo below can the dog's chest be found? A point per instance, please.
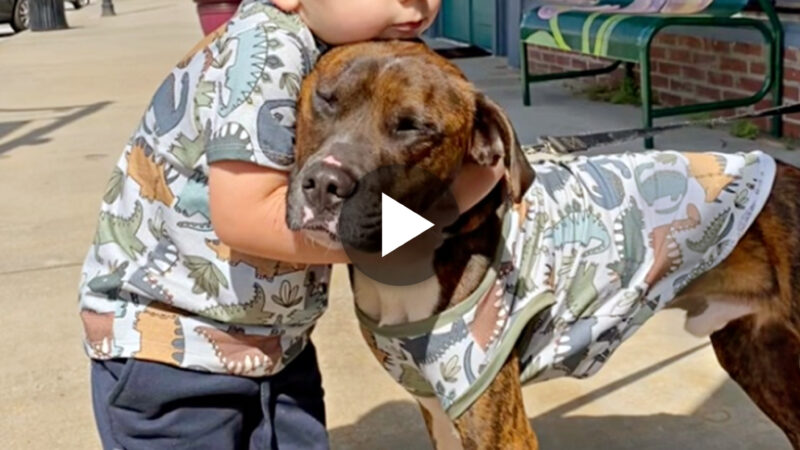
(393, 305)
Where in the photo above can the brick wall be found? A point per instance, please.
(688, 69)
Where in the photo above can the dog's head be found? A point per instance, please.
(398, 104)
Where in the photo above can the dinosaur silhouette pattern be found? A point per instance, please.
(586, 262)
(167, 114)
(121, 231)
(188, 300)
(661, 184)
(668, 256)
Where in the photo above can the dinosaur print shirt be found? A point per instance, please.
(597, 246)
(157, 282)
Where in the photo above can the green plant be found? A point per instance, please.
(624, 93)
(701, 117)
(627, 93)
(745, 129)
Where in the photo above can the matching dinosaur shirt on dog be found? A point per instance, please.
(598, 245)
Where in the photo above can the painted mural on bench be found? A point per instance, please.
(611, 28)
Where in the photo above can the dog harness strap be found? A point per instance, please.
(598, 245)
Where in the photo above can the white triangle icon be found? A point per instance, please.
(399, 224)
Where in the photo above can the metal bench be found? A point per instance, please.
(623, 31)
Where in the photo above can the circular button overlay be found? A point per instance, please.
(361, 223)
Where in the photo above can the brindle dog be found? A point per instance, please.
(402, 104)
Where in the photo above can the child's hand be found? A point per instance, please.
(474, 182)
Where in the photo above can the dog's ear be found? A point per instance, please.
(494, 138)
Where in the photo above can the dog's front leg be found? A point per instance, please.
(497, 420)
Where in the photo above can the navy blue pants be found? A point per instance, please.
(146, 405)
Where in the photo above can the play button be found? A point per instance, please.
(399, 224)
(395, 221)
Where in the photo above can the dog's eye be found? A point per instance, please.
(324, 101)
(408, 127)
(407, 124)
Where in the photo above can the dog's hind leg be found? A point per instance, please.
(765, 361)
(497, 420)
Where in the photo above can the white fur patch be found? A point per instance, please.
(308, 214)
(392, 305)
(443, 431)
(330, 159)
(715, 317)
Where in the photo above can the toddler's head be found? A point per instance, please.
(345, 21)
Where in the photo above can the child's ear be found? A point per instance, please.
(288, 6)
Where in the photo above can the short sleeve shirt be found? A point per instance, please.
(157, 283)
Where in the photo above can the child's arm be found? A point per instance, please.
(248, 212)
(248, 209)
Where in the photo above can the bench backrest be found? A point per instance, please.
(666, 7)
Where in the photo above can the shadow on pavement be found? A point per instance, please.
(718, 423)
(40, 135)
(392, 425)
(721, 422)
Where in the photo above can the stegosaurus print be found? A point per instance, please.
(241, 353)
(664, 241)
(149, 174)
(709, 171)
(158, 324)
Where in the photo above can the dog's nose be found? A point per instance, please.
(327, 186)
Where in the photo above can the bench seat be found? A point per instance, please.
(624, 31)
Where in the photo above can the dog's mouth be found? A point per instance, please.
(323, 233)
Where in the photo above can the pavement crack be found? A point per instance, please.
(41, 269)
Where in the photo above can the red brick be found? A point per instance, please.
(706, 59)
(668, 68)
(763, 104)
(578, 63)
(708, 92)
(791, 93)
(758, 68)
(667, 39)
(791, 74)
(657, 52)
(736, 65)
(679, 55)
(751, 85)
(791, 129)
(665, 98)
(792, 118)
(548, 57)
(690, 41)
(682, 86)
(720, 79)
(718, 46)
(562, 60)
(659, 81)
(729, 95)
(693, 73)
(742, 48)
(792, 54)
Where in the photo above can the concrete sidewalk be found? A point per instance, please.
(68, 103)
